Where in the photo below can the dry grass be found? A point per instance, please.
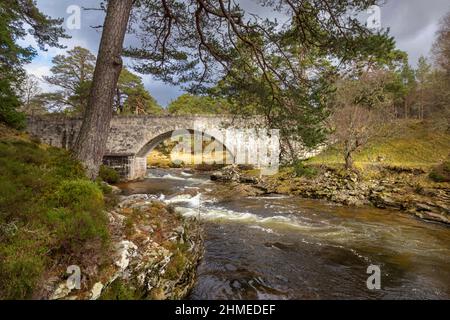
(158, 159)
(410, 144)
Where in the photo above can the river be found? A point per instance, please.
(281, 247)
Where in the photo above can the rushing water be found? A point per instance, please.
(279, 247)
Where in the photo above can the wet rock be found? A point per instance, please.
(396, 190)
(217, 176)
(226, 174)
(126, 201)
(115, 190)
(248, 179)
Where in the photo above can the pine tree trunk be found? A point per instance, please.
(91, 142)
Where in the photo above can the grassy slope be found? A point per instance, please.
(51, 216)
(408, 144)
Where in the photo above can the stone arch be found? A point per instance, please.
(155, 141)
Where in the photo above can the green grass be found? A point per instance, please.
(405, 144)
(49, 213)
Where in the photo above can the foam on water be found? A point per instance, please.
(171, 177)
(268, 230)
(224, 214)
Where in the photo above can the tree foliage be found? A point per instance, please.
(198, 42)
(132, 97)
(73, 73)
(30, 96)
(441, 47)
(197, 104)
(281, 70)
(17, 19)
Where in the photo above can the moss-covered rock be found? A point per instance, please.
(162, 252)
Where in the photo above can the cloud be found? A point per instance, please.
(40, 70)
(161, 91)
(413, 24)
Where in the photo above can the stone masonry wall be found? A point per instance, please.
(131, 137)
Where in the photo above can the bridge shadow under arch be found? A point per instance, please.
(153, 143)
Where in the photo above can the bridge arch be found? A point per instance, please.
(155, 141)
(131, 138)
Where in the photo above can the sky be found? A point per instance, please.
(412, 23)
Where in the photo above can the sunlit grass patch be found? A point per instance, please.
(409, 144)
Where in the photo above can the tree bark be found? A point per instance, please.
(348, 160)
(91, 142)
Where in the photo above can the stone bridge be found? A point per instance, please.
(131, 138)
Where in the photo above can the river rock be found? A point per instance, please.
(61, 292)
(395, 188)
(96, 291)
(126, 250)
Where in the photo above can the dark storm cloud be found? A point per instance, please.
(412, 23)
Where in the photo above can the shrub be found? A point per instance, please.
(24, 152)
(301, 170)
(78, 215)
(438, 176)
(63, 165)
(49, 213)
(108, 174)
(441, 173)
(79, 195)
(20, 270)
(106, 188)
(73, 228)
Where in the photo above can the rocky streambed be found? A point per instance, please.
(154, 255)
(388, 189)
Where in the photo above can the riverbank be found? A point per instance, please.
(63, 236)
(266, 246)
(154, 255)
(408, 190)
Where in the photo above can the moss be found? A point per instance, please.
(302, 170)
(175, 266)
(120, 290)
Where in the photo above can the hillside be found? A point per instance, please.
(50, 213)
(410, 144)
